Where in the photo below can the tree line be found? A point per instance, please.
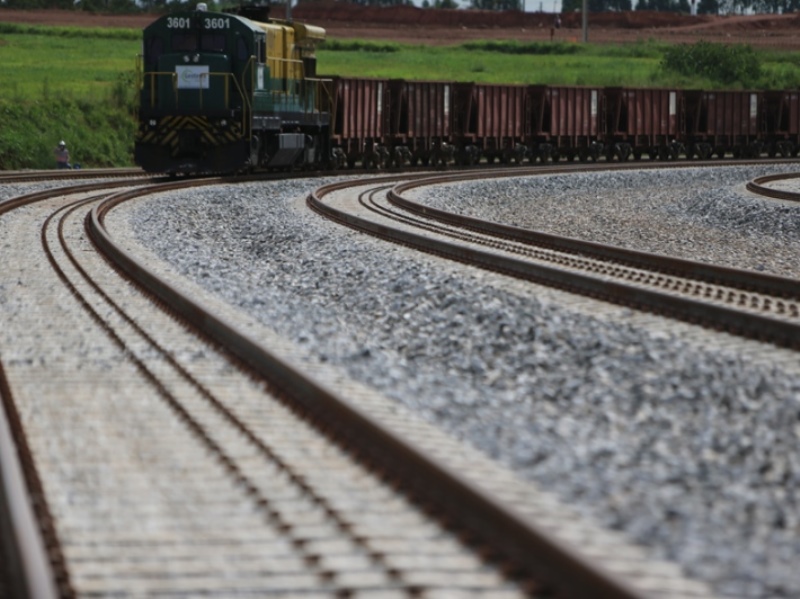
(680, 6)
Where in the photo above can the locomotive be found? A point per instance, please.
(229, 91)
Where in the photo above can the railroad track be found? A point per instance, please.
(28, 176)
(181, 456)
(786, 188)
(750, 304)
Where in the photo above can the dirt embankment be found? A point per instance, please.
(427, 26)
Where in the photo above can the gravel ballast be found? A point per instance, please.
(689, 449)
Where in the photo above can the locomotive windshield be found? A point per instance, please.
(205, 42)
(212, 42)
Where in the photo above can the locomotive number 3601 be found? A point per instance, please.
(208, 23)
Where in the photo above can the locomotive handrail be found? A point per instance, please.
(247, 108)
(138, 70)
(279, 62)
(326, 86)
(154, 75)
(245, 103)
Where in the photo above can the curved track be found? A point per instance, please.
(745, 303)
(189, 458)
(762, 186)
(69, 174)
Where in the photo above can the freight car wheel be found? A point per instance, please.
(702, 150)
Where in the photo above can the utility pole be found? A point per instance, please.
(585, 19)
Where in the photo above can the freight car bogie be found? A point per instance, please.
(701, 150)
(620, 151)
(515, 154)
(541, 152)
(782, 148)
(468, 155)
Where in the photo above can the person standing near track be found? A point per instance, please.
(62, 155)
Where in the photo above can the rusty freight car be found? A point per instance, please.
(642, 121)
(359, 121)
(725, 122)
(421, 124)
(491, 122)
(567, 122)
(782, 115)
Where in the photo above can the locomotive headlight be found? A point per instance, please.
(185, 59)
(224, 123)
(152, 122)
(196, 58)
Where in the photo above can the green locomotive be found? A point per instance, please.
(230, 92)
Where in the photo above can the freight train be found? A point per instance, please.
(233, 92)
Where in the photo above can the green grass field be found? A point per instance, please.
(569, 64)
(38, 61)
(630, 65)
(78, 84)
(41, 62)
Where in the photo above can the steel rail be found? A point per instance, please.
(754, 326)
(194, 424)
(29, 538)
(701, 271)
(531, 550)
(32, 575)
(69, 174)
(758, 185)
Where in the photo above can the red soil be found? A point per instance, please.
(414, 25)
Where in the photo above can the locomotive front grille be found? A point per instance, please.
(187, 135)
(189, 143)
